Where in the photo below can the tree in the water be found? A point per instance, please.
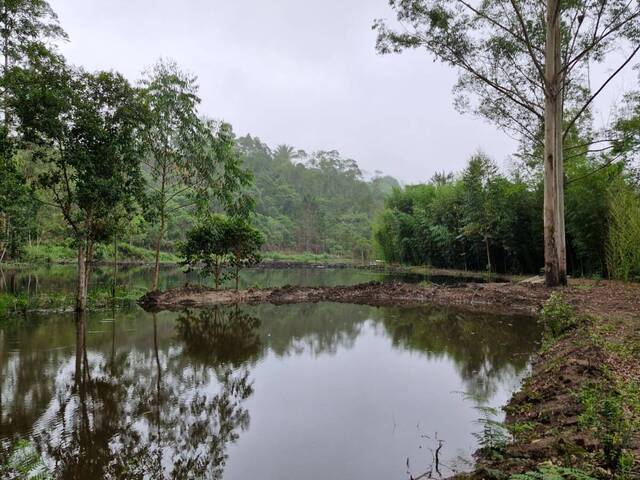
(524, 66)
(191, 161)
(84, 129)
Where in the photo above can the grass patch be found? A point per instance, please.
(611, 410)
(549, 471)
(305, 257)
(97, 299)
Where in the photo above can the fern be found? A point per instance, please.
(24, 464)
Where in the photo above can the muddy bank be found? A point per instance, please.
(517, 298)
(579, 409)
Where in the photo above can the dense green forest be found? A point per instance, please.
(483, 219)
(316, 202)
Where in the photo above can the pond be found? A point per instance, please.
(60, 279)
(310, 391)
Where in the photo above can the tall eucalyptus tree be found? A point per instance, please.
(523, 65)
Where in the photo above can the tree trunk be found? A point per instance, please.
(115, 266)
(80, 337)
(554, 233)
(156, 271)
(81, 288)
(87, 270)
(216, 273)
(486, 244)
(5, 53)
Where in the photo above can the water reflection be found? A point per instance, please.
(486, 349)
(129, 416)
(219, 335)
(60, 279)
(138, 395)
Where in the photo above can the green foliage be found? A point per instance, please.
(18, 206)
(27, 27)
(219, 242)
(12, 304)
(482, 216)
(558, 316)
(243, 243)
(495, 436)
(614, 415)
(465, 222)
(192, 162)
(66, 253)
(548, 471)
(317, 203)
(623, 243)
(23, 463)
(97, 299)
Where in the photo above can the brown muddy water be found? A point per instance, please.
(312, 391)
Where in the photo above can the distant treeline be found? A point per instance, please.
(316, 202)
(482, 219)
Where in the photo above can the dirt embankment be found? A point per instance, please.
(579, 409)
(611, 298)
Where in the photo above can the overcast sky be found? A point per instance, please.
(299, 72)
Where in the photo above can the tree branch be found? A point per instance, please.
(528, 44)
(588, 102)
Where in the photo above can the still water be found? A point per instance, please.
(314, 391)
(60, 279)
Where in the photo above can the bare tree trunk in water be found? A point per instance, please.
(555, 258)
(80, 326)
(115, 265)
(156, 272)
(81, 289)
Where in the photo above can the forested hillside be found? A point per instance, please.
(316, 202)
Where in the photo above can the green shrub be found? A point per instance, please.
(548, 471)
(613, 415)
(623, 247)
(558, 316)
(495, 436)
(11, 304)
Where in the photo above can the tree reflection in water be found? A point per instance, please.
(164, 396)
(486, 349)
(148, 414)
